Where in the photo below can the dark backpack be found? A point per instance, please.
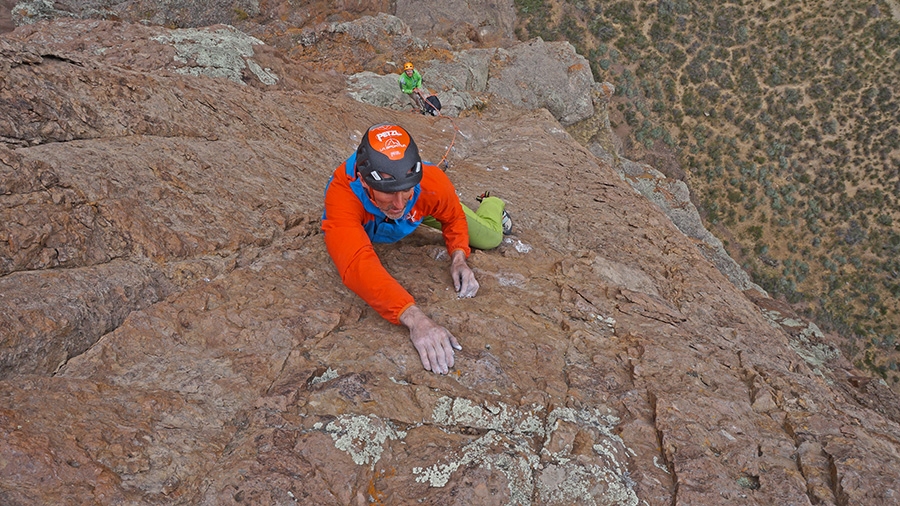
(432, 105)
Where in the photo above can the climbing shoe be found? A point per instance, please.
(506, 223)
(483, 196)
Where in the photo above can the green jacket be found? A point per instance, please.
(408, 84)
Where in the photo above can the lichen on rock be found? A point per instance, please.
(223, 52)
(363, 437)
(593, 473)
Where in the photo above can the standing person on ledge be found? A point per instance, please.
(382, 193)
(411, 83)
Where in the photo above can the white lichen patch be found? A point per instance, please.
(558, 131)
(816, 354)
(224, 52)
(519, 246)
(505, 278)
(790, 322)
(585, 484)
(609, 321)
(439, 474)
(514, 459)
(772, 317)
(266, 76)
(31, 11)
(500, 417)
(509, 447)
(660, 466)
(511, 279)
(605, 480)
(328, 375)
(363, 437)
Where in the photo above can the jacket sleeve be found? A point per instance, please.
(353, 256)
(447, 209)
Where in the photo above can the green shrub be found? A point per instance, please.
(604, 30)
(659, 32)
(696, 71)
(677, 57)
(622, 12)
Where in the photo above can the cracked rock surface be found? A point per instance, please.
(172, 330)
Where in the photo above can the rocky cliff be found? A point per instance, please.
(173, 331)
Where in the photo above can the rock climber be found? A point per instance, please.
(411, 83)
(382, 193)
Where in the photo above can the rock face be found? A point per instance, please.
(484, 22)
(172, 330)
(533, 75)
(6, 23)
(181, 13)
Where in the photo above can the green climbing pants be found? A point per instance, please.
(485, 224)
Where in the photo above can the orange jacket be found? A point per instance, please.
(351, 221)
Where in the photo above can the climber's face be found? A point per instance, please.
(391, 204)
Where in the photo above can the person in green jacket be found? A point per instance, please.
(411, 84)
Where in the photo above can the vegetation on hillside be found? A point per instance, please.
(785, 117)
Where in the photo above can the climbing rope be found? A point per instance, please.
(443, 164)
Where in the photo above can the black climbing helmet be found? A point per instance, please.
(388, 160)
